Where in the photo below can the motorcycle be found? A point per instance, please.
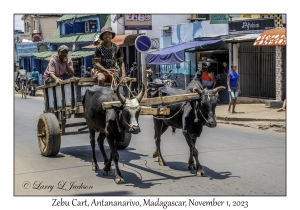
(31, 87)
(163, 81)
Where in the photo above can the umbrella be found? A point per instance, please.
(272, 37)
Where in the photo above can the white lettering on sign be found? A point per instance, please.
(249, 25)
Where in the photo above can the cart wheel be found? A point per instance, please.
(126, 141)
(48, 132)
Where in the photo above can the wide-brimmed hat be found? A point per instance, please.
(105, 29)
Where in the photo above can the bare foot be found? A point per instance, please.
(280, 110)
(233, 111)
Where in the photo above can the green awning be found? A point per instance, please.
(73, 55)
(72, 16)
(87, 37)
(44, 55)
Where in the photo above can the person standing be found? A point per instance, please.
(233, 83)
(133, 74)
(35, 76)
(225, 67)
(149, 74)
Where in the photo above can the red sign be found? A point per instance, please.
(36, 37)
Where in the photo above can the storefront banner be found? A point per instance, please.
(219, 19)
(138, 22)
(26, 49)
(251, 25)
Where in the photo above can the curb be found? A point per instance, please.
(248, 119)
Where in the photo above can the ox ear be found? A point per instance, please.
(217, 89)
(117, 106)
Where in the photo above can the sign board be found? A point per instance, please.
(143, 43)
(26, 49)
(24, 36)
(219, 19)
(138, 22)
(251, 25)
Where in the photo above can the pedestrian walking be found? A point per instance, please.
(233, 83)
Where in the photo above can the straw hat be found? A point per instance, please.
(105, 29)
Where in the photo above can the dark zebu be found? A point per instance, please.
(190, 116)
(110, 123)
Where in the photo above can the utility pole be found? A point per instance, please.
(144, 74)
(138, 66)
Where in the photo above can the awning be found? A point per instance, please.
(272, 37)
(44, 55)
(174, 54)
(119, 40)
(241, 38)
(75, 38)
(73, 55)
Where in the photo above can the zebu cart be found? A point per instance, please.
(63, 100)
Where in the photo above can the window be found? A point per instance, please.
(74, 27)
(34, 25)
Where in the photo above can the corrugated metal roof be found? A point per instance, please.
(237, 38)
(71, 16)
(73, 55)
(57, 38)
(44, 55)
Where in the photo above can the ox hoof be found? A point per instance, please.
(105, 173)
(119, 180)
(192, 167)
(95, 167)
(161, 162)
(155, 154)
(200, 173)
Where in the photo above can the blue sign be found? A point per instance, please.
(26, 49)
(143, 43)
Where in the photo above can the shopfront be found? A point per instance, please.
(256, 65)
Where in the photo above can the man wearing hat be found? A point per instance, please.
(108, 56)
(60, 67)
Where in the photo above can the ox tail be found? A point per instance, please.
(173, 130)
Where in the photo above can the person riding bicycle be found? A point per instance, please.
(60, 67)
(21, 76)
(107, 56)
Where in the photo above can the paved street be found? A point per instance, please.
(237, 161)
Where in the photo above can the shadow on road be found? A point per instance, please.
(133, 174)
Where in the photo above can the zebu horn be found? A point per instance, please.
(120, 96)
(217, 89)
(200, 92)
(141, 94)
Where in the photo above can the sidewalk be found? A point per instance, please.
(250, 112)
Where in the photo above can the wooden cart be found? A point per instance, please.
(62, 101)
